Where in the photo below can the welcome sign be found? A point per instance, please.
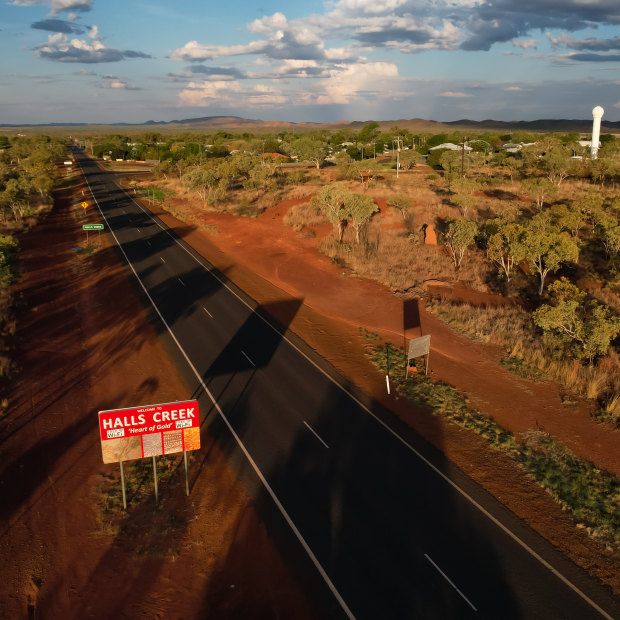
(150, 430)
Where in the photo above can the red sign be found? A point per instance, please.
(151, 430)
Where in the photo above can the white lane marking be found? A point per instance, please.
(149, 243)
(241, 445)
(161, 259)
(450, 582)
(247, 358)
(448, 480)
(315, 434)
(181, 281)
(138, 229)
(207, 312)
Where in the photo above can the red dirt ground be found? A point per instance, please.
(79, 353)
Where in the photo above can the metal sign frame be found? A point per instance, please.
(419, 347)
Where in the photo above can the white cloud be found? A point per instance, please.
(513, 88)
(454, 94)
(267, 24)
(58, 6)
(205, 94)
(62, 49)
(530, 44)
(345, 83)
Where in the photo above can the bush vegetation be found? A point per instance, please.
(591, 495)
(27, 176)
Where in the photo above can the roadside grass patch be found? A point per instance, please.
(145, 527)
(590, 494)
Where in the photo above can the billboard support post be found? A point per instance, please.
(186, 474)
(123, 487)
(155, 480)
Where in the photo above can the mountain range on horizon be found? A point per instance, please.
(415, 124)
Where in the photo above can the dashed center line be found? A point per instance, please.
(181, 281)
(315, 434)
(247, 358)
(450, 582)
(207, 312)
(149, 243)
(161, 259)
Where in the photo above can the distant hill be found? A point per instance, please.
(564, 125)
(416, 125)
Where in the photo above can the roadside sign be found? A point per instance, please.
(419, 347)
(151, 430)
(92, 226)
(84, 204)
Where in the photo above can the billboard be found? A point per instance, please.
(150, 430)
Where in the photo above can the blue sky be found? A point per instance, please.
(106, 61)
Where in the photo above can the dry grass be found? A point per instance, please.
(511, 327)
(302, 215)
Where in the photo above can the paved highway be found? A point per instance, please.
(378, 523)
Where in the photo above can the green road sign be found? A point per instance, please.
(92, 226)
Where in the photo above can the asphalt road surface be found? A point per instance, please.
(377, 523)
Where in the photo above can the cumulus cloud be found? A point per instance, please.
(504, 20)
(58, 6)
(347, 83)
(62, 49)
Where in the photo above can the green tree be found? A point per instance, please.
(556, 164)
(368, 133)
(408, 159)
(359, 209)
(399, 202)
(309, 150)
(459, 236)
(547, 248)
(540, 189)
(504, 247)
(330, 200)
(366, 170)
(589, 326)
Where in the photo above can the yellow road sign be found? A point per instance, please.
(84, 205)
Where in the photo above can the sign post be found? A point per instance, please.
(151, 430)
(419, 347)
(155, 480)
(88, 227)
(123, 487)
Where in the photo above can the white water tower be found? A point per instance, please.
(597, 115)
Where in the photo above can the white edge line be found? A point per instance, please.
(453, 484)
(258, 472)
(248, 358)
(316, 434)
(450, 582)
